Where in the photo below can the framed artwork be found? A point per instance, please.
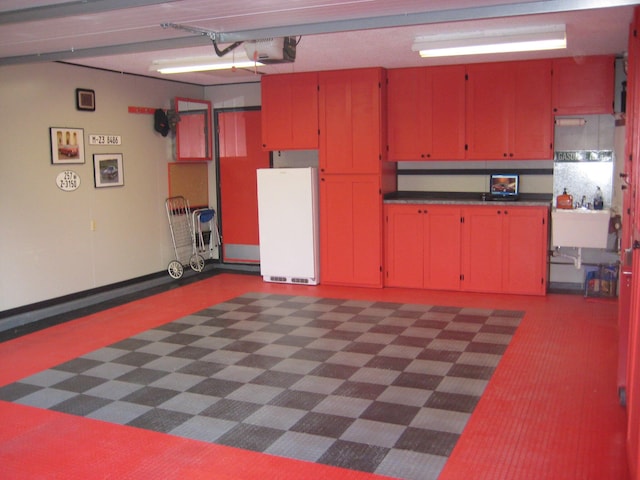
(85, 99)
(67, 145)
(107, 170)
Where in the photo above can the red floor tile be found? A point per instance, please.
(550, 411)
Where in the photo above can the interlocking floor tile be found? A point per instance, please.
(374, 386)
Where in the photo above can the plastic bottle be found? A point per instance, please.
(598, 201)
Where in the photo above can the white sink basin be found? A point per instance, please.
(580, 228)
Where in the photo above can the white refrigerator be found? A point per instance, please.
(288, 225)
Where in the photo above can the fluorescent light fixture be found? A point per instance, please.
(199, 64)
(492, 41)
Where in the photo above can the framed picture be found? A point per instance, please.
(67, 145)
(107, 170)
(85, 99)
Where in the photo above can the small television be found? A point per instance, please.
(504, 186)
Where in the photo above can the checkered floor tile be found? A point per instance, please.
(371, 386)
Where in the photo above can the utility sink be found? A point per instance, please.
(580, 228)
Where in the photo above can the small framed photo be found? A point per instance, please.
(85, 99)
(108, 170)
(67, 145)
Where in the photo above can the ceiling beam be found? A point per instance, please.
(421, 18)
(122, 49)
(425, 18)
(70, 9)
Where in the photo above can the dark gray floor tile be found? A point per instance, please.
(80, 405)
(251, 437)
(150, 396)
(277, 379)
(234, 410)
(77, 365)
(427, 441)
(323, 424)
(160, 420)
(79, 383)
(135, 359)
(215, 387)
(202, 368)
(15, 391)
(298, 399)
(390, 413)
(354, 456)
(452, 401)
(141, 376)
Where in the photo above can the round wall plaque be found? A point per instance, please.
(68, 180)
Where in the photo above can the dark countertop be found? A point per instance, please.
(469, 198)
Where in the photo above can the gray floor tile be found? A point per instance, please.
(372, 386)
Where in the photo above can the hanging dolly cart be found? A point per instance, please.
(205, 232)
(180, 223)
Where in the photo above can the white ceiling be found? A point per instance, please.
(127, 35)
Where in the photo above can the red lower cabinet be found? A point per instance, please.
(505, 249)
(471, 248)
(351, 230)
(422, 246)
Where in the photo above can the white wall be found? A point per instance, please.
(47, 248)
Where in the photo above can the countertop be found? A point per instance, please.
(467, 198)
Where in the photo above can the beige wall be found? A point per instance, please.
(47, 246)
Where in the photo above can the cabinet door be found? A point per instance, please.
(442, 266)
(583, 86)
(408, 114)
(426, 113)
(351, 230)
(482, 250)
(404, 246)
(290, 111)
(532, 126)
(351, 121)
(447, 101)
(524, 258)
(489, 110)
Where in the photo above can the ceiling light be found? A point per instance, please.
(187, 65)
(491, 41)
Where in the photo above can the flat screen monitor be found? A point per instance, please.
(504, 185)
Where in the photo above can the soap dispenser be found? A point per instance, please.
(598, 200)
(564, 201)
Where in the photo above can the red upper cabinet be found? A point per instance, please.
(489, 100)
(290, 111)
(351, 121)
(584, 85)
(426, 113)
(509, 111)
